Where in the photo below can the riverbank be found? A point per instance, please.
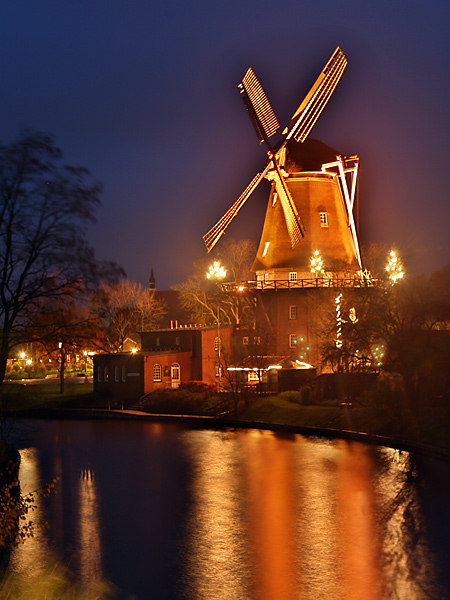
(227, 422)
(381, 422)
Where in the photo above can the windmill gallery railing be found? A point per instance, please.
(309, 283)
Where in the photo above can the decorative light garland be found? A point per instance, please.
(337, 301)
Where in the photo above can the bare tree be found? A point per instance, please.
(44, 210)
(122, 308)
(204, 299)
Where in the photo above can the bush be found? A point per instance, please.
(294, 396)
(17, 375)
(198, 387)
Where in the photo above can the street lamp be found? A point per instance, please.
(317, 264)
(394, 267)
(216, 271)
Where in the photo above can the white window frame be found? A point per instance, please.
(323, 219)
(293, 312)
(293, 276)
(217, 343)
(245, 340)
(293, 340)
(157, 372)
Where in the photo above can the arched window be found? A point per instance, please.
(124, 373)
(157, 372)
(116, 374)
(175, 373)
(106, 373)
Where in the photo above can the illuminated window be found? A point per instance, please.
(106, 373)
(116, 374)
(218, 370)
(323, 219)
(217, 344)
(245, 341)
(293, 276)
(292, 340)
(157, 372)
(266, 276)
(124, 373)
(257, 340)
(253, 376)
(158, 341)
(293, 312)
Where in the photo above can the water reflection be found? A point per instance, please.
(31, 558)
(216, 546)
(183, 514)
(409, 561)
(89, 544)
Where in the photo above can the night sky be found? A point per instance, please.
(144, 95)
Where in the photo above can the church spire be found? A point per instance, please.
(151, 281)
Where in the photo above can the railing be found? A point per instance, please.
(285, 284)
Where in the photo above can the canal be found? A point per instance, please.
(166, 511)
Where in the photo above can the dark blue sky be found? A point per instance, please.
(144, 95)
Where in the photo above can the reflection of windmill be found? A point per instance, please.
(312, 198)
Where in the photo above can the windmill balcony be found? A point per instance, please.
(310, 282)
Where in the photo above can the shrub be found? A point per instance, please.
(198, 387)
(294, 396)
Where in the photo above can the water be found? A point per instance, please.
(172, 512)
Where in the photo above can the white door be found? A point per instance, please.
(175, 375)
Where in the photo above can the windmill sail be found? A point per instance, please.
(266, 124)
(291, 216)
(316, 99)
(214, 234)
(258, 107)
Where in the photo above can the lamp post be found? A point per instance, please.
(216, 271)
(317, 264)
(394, 267)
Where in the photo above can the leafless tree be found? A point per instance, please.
(44, 210)
(122, 308)
(204, 299)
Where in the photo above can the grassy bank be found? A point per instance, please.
(23, 396)
(380, 415)
(429, 425)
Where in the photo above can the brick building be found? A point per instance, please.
(168, 357)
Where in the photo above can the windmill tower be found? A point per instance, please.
(312, 198)
(311, 209)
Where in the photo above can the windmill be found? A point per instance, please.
(290, 232)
